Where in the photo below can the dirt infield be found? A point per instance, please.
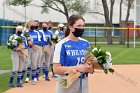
(126, 79)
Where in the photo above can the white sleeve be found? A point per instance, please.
(56, 57)
(57, 51)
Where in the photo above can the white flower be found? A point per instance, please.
(11, 38)
(94, 49)
(14, 42)
(16, 37)
(54, 36)
(58, 39)
(108, 53)
(8, 43)
(107, 65)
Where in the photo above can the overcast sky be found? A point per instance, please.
(35, 13)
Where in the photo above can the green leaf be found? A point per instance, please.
(111, 70)
(89, 49)
(106, 71)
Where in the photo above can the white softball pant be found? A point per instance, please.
(17, 61)
(74, 88)
(33, 58)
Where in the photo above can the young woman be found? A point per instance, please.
(47, 50)
(69, 56)
(33, 54)
(17, 60)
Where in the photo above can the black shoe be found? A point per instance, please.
(54, 76)
(11, 85)
(47, 79)
(19, 85)
(37, 79)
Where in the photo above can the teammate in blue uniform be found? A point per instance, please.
(17, 60)
(33, 51)
(40, 49)
(49, 27)
(69, 55)
(47, 50)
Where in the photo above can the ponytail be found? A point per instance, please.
(67, 32)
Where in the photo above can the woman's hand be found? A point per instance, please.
(84, 68)
(90, 68)
(70, 70)
(30, 43)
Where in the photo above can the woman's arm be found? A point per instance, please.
(61, 70)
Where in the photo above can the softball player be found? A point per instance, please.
(17, 60)
(69, 56)
(50, 24)
(33, 54)
(47, 50)
(40, 49)
(60, 32)
(26, 63)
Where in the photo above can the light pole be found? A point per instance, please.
(25, 10)
(3, 12)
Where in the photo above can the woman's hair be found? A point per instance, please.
(45, 23)
(71, 21)
(28, 23)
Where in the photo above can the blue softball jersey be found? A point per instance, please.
(46, 36)
(35, 37)
(70, 53)
(24, 40)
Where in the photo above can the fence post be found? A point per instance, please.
(95, 36)
(128, 37)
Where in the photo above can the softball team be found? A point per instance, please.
(66, 57)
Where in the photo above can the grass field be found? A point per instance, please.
(104, 39)
(120, 55)
(5, 58)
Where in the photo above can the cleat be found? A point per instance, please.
(27, 80)
(11, 85)
(47, 79)
(35, 79)
(44, 76)
(19, 85)
(55, 76)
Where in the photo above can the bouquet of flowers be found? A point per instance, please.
(28, 37)
(100, 59)
(56, 38)
(104, 60)
(15, 43)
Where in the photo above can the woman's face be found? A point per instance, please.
(78, 24)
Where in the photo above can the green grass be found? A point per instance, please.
(5, 58)
(123, 55)
(104, 39)
(4, 78)
(120, 55)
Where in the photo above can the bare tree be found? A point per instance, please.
(108, 18)
(129, 4)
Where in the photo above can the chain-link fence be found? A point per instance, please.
(94, 34)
